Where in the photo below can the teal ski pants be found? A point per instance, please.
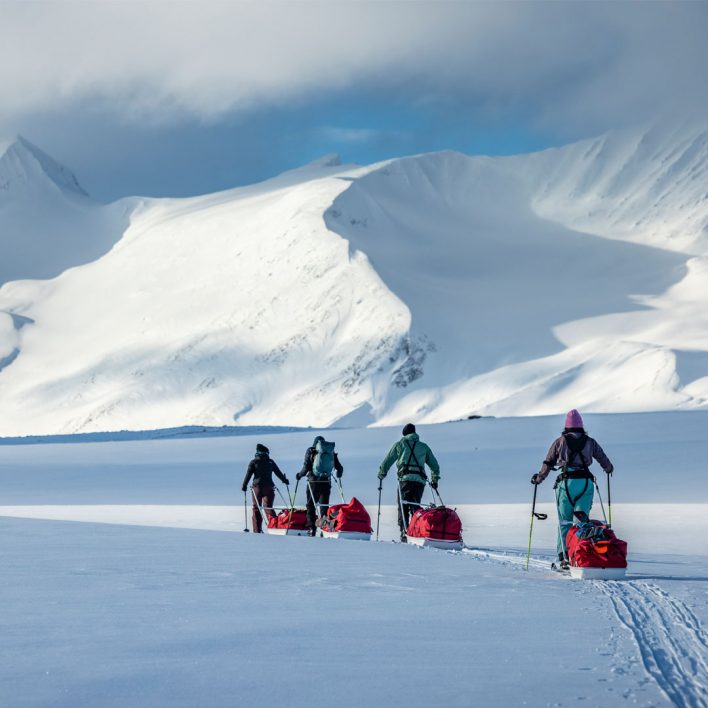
(576, 496)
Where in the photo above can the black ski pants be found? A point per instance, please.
(317, 493)
(263, 495)
(408, 492)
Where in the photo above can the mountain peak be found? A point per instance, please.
(23, 164)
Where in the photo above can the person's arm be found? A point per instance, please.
(278, 473)
(338, 465)
(247, 478)
(549, 463)
(388, 461)
(434, 466)
(599, 454)
(307, 463)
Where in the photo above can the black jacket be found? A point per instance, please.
(261, 468)
(309, 461)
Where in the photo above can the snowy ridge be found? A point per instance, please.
(24, 164)
(432, 287)
(641, 186)
(47, 221)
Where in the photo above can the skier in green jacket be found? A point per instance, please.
(410, 455)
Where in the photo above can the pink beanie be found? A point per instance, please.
(574, 420)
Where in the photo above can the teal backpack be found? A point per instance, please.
(323, 464)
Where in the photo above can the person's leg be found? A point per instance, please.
(401, 521)
(411, 492)
(255, 494)
(565, 516)
(323, 497)
(311, 514)
(268, 499)
(416, 494)
(571, 494)
(584, 503)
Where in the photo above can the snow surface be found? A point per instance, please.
(432, 287)
(116, 613)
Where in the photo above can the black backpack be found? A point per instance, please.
(575, 448)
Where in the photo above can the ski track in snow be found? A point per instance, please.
(671, 641)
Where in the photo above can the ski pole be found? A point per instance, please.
(378, 515)
(599, 496)
(609, 500)
(534, 514)
(435, 491)
(245, 511)
(341, 490)
(281, 496)
(292, 502)
(287, 489)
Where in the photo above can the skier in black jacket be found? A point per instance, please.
(320, 460)
(262, 468)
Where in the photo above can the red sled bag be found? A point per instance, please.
(352, 517)
(438, 522)
(284, 521)
(594, 545)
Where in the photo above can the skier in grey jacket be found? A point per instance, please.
(573, 452)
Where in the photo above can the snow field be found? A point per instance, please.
(135, 611)
(110, 616)
(680, 529)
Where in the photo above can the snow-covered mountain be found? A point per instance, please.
(48, 223)
(428, 288)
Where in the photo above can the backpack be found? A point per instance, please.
(323, 462)
(575, 448)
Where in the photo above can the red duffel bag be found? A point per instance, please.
(347, 517)
(594, 545)
(438, 522)
(284, 521)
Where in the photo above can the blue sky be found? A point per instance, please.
(179, 99)
(185, 157)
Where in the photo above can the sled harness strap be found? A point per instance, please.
(407, 467)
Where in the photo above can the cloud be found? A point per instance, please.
(358, 135)
(592, 64)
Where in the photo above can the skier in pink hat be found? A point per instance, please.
(573, 453)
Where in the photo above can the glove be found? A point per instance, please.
(381, 476)
(535, 479)
(300, 475)
(244, 488)
(434, 484)
(609, 474)
(287, 483)
(339, 475)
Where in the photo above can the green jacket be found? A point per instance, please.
(400, 453)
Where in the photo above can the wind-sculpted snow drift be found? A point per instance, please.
(431, 287)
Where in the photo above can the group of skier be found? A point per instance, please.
(573, 453)
(410, 454)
